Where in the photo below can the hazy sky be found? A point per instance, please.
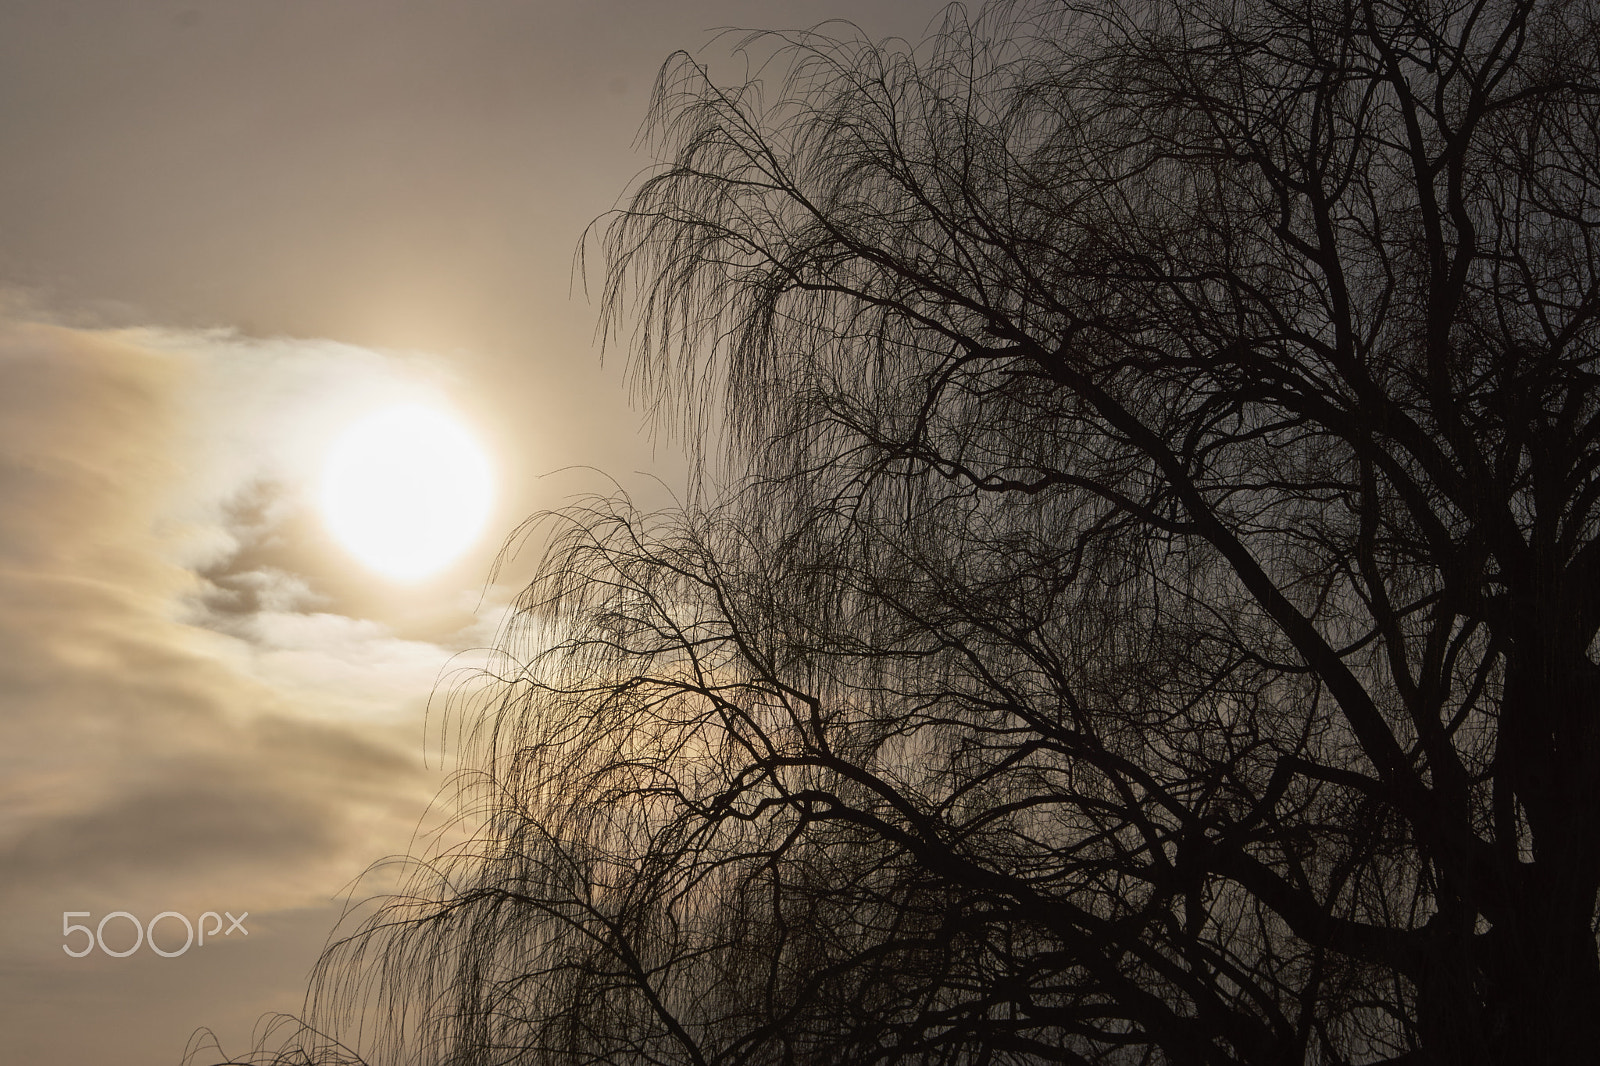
(227, 229)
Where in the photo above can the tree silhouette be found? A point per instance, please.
(1148, 613)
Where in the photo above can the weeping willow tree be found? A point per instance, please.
(1141, 604)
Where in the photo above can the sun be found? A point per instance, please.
(406, 490)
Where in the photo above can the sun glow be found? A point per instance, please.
(406, 490)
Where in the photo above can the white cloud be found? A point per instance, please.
(256, 418)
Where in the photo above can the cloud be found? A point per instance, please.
(170, 734)
(194, 714)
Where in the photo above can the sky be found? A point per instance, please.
(229, 232)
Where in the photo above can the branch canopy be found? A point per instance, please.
(1140, 600)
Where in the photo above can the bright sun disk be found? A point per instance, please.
(406, 490)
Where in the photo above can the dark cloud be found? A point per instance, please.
(280, 797)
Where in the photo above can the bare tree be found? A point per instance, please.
(1149, 613)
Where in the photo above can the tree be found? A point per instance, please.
(1142, 606)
